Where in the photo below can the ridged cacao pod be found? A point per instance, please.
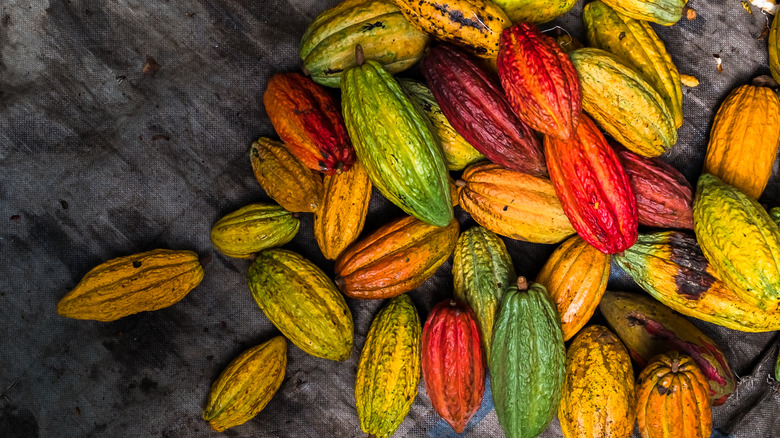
(389, 368)
(387, 37)
(458, 153)
(774, 50)
(126, 285)
(576, 277)
(394, 259)
(252, 229)
(663, 12)
(528, 361)
(396, 144)
(673, 399)
(664, 198)
(453, 364)
(623, 103)
(635, 43)
(475, 105)
(302, 302)
(670, 266)
(513, 204)
(247, 385)
(534, 11)
(475, 25)
(740, 241)
(598, 391)
(774, 214)
(342, 216)
(593, 187)
(648, 328)
(308, 120)
(742, 148)
(540, 81)
(482, 270)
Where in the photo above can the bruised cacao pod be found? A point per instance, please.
(254, 228)
(663, 12)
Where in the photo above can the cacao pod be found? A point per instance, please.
(247, 385)
(453, 365)
(394, 259)
(774, 50)
(285, 178)
(254, 228)
(534, 11)
(593, 188)
(663, 12)
(528, 361)
(740, 241)
(576, 277)
(475, 105)
(389, 368)
(774, 214)
(126, 285)
(342, 216)
(742, 148)
(309, 122)
(598, 391)
(648, 328)
(395, 143)
(302, 302)
(635, 43)
(623, 103)
(482, 270)
(513, 204)
(328, 45)
(672, 399)
(540, 81)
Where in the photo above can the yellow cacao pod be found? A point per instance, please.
(254, 228)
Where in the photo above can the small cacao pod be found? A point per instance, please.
(774, 50)
(663, 12)
(774, 214)
(534, 11)
(253, 228)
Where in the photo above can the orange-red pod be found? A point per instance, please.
(309, 122)
(540, 81)
(593, 188)
(453, 364)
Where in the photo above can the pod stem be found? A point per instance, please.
(522, 283)
(360, 58)
(765, 81)
(339, 168)
(460, 183)
(675, 366)
(340, 283)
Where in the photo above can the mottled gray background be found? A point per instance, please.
(99, 160)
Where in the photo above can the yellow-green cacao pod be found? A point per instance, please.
(302, 302)
(774, 213)
(534, 11)
(774, 50)
(663, 12)
(389, 369)
(254, 228)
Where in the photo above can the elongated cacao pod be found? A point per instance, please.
(453, 364)
(663, 12)
(540, 81)
(303, 303)
(576, 277)
(513, 204)
(342, 216)
(593, 188)
(740, 241)
(253, 228)
(247, 385)
(599, 391)
(389, 368)
(534, 11)
(482, 270)
(743, 148)
(648, 328)
(126, 285)
(394, 259)
(528, 360)
(774, 50)
(396, 144)
(309, 122)
(475, 105)
(285, 178)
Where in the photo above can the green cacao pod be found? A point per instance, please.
(254, 228)
(389, 369)
(774, 213)
(663, 12)
(528, 361)
(302, 302)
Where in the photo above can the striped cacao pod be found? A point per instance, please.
(302, 302)
(663, 12)
(254, 228)
(534, 11)
(126, 285)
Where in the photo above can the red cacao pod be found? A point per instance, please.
(593, 188)
(476, 107)
(664, 198)
(453, 365)
(309, 122)
(540, 81)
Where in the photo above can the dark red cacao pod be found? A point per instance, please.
(453, 364)
(664, 198)
(593, 188)
(540, 81)
(475, 105)
(309, 122)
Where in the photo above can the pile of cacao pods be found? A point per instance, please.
(523, 115)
